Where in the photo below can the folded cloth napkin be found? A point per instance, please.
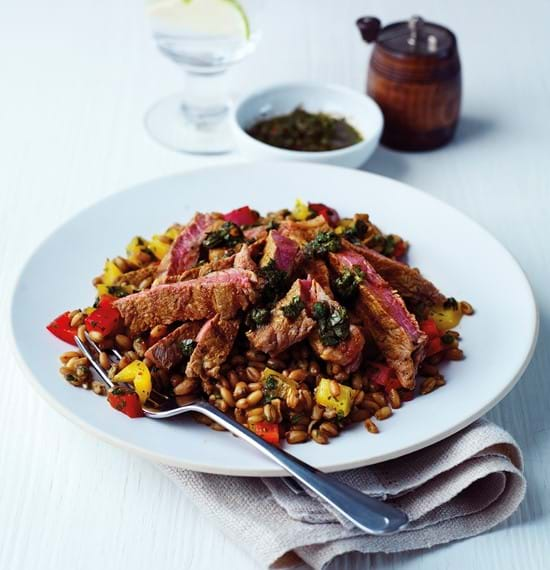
(456, 488)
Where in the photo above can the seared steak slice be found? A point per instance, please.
(136, 277)
(224, 292)
(185, 250)
(243, 259)
(305, 231)
(282, 250)
(348, 352)
(202, 270)
(407, 281)
(393, 328)
(167, 351)
(255, 233)
(318, 270)
(214, 343)
(281, 331)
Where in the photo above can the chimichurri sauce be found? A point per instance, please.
(311, 132)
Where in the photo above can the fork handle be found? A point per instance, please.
(371, 515)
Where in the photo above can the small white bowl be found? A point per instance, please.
(358, 109)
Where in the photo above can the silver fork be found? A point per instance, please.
(368, 514)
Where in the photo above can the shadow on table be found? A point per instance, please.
(473, 128)
(393, 163)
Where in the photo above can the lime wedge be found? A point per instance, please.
(224, 17)
(238, 6)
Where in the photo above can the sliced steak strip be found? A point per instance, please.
(214, 343)
(224, 292)
(185, 250)
(282, 332)
(255, 233)
(305, 231)
(347, 353)
(282, 250)
(317, 269)
(393, 328)
(407, 281)
(136, 277)
(243, 259)
(202, 270)
(167, 352)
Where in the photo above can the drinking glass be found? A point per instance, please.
(204, 37)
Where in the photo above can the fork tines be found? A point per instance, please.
(114, 356)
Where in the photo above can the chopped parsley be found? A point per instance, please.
(447, 338)
(340, 417)
(357, 232)
(293, 309)
(228, 235)
(451, 303)
(333, 323)
(256, 317)
(386, 245)
(323, 243)
(271, 387)
(117, 291)
(389, 246)
(187, 347)
(345, 285)
(275, 282)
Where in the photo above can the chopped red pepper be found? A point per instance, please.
(268, 431)
(242, 216)
(331, 216)
(430, 328)
(106, 301)
(384, 376)
(61, 328)
(399, 249)
(125, 401)
(434, 346)
(105, 319)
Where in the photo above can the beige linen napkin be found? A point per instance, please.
(459, 487)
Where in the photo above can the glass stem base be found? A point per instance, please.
(195, 121)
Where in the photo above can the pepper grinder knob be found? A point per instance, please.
(415, 27)
(369, 28)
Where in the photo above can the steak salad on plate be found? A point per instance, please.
(298, 323)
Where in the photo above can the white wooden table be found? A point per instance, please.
(75, 79)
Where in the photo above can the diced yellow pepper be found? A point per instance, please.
(88, 310)
(445, 318)
(342, 403)
(136, 245)
(114, 291)
(275, 384)
(102, 289)
(172, 232)
(158, 247)
(137, 373)
(301, 210)
(110, 273)
(343, 225)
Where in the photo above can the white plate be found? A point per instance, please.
(457, 254)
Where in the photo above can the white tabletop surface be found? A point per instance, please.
(75, 79)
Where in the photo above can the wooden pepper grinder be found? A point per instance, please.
(414, 75)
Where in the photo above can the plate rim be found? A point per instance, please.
(275, 471)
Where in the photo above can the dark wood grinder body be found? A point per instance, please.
(414, 75)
